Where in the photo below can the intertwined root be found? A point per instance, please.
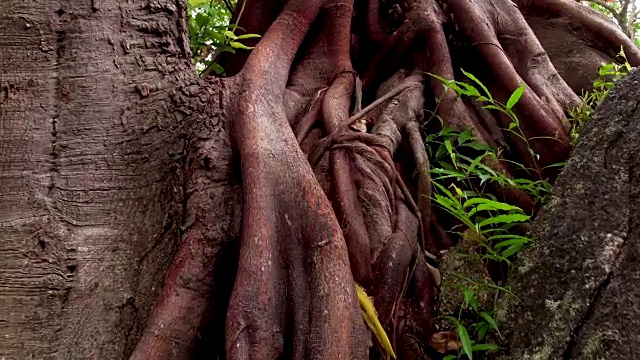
(332, 198)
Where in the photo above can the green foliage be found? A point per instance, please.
(211, 33)
(488, 222)
(451, 144)
(460, 172)
(479, 329)
(451, 152)
(608, 75)
(489, 103)
(624, 18)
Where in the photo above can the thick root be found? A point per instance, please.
(355, 205)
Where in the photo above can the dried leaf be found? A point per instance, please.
(359, 125)
(445, 341)
(371, 318)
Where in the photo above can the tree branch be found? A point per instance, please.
(605, 6)
(228, 5)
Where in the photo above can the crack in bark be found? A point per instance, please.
(53, 170)
(612, 266)
(588, 314)
(571, 344)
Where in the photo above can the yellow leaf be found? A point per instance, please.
(371, 318)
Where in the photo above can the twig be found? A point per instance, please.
(395, 91)
(228, 5)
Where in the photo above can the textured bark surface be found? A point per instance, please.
(125, 231)
(574, 46)
(95, 99)
(579, 283)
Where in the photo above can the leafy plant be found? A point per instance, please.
(450, 151)
(459, 175)
(471, 346)
(460, 172)
(488, 222)
(462, 167)
(212, 34)
(490, 103)
(608, 75)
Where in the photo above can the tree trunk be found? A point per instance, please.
(578, 285)
(129, 228)
(98, 103)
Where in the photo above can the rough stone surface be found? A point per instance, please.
(463, 267)
(578, 285)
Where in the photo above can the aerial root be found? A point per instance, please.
(357, 207)
(539, 120)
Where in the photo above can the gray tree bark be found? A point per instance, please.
(95, 100)
(578, 284)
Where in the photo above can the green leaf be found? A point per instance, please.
(471, 299)
(473, 201)
(441, 151)
(450, 318)
(465, 340)
(440, 78)
(482, 330)
(605, 69)
(513, 99)
(511, 250)
(484, 178)
(489, 319)
(479, 146)
(504, 219)
(496, 205)
(487, 204)
(230, 34)
(464, 136)
(485, 347)
(248, 36)
(554, 165)
(447, 130)
(447, 144)
(450, 357)
(219, 70)
(195, 3)
(521, 241)
(201, 20)
(508, 236)
(453, 85)
(447, 203)
(217, 38)
(470, 76)
(448, 193)
(494, 107)
(472, 167)
(467, 89)
(237, 45)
